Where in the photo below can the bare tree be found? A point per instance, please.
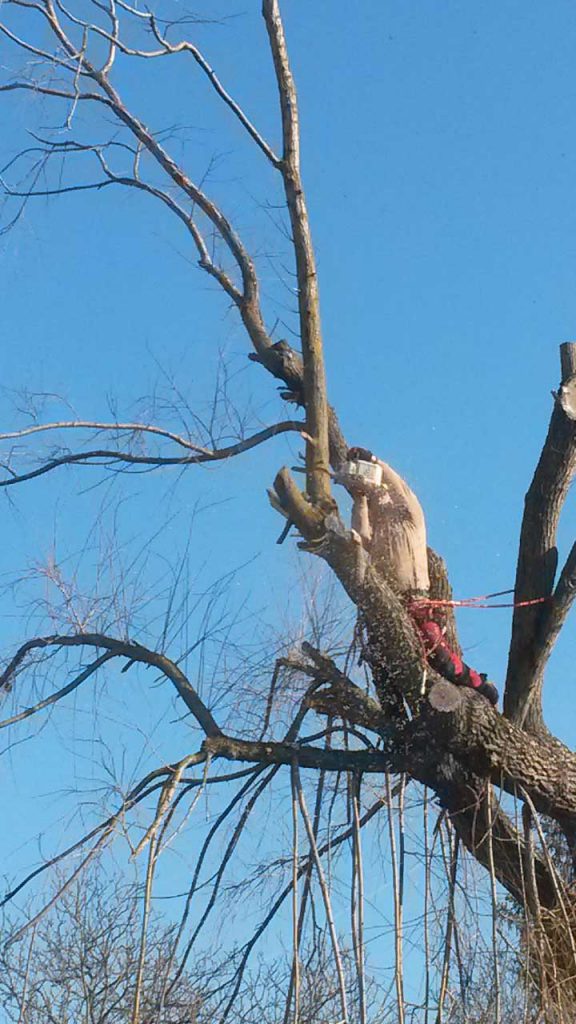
(82, 965)
(448, 740)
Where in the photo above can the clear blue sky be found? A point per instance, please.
(439, 156)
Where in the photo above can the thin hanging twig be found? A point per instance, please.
(307, 887)
(358, 898)
(325, 895)
(497, 986)
(454, 849)
(426, 922)
(553, 872)
(397, 875)
(295, 917)
(152, 860)
(531, 906)
(22, 1011)
(247, 949)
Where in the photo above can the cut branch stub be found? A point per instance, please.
(444, 696)
(568, 359)
(307, 518)
(285, 363)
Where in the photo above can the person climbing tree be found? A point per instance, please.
(429, 622)
(389, 522)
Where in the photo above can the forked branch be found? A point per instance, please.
(535, 627)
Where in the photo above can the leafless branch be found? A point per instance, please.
(317, 449)
(59, 694)
(397, 896)
(537, 562)
(357, 907)
(132, 428)
(325, 892)
(112, 457)
(133, 652)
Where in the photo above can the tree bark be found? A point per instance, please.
(537, 564)
(316, 403)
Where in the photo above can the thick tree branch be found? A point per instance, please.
(488, 745)
(537, 562)
(344, 700)
(235, 749)
(449, 751)
(392, 649)
(473, 732)
(435, 749)
(466, 736)
(317, 449)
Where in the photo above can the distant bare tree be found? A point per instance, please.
(81, 964)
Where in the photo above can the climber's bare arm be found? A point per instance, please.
(361, 519)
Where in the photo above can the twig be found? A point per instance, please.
(167, 795)
(398, 908)
(426, 916)
(62, 889)
(295, 976)
(113, 456)
(133, 428)
(497, 987)
(330, 845)
(554, 875)
(453, 872)
(22, 1015)
(194, 884)
(307, 887)
(358, 899)
(325, 894)
(151, 866)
